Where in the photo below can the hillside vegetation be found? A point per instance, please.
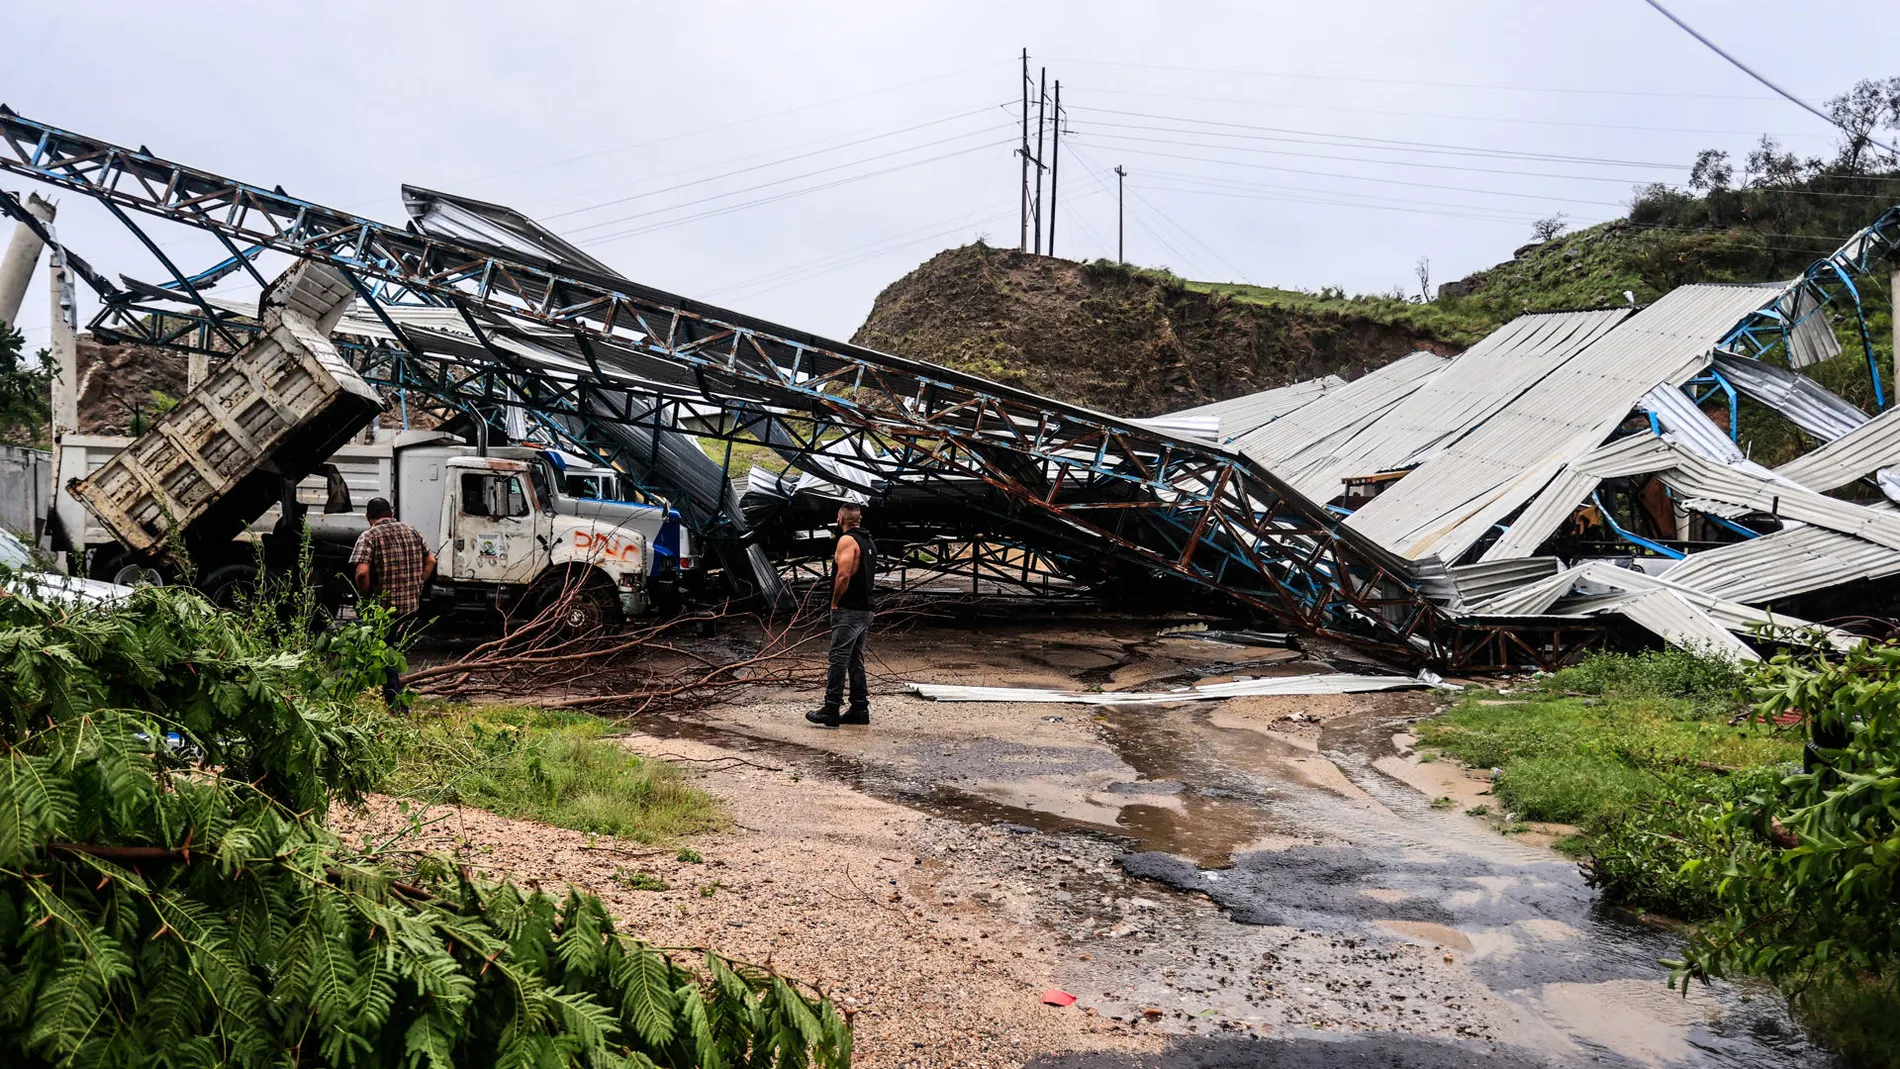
(1137, 341)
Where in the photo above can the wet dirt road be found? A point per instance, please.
(1251, 879)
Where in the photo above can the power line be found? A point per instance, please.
(1303, 106)
(1546, 198)
(781, 181)
(1122, 138)
(729, 209)
(1378, 144)
(1752, 73)
(703, 179)
(879, 91)
(1405, 82)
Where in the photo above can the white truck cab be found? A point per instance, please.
(494, 529)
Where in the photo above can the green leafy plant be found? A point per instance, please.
(25, 406)
(169, 894)
(1806, 886)
(689, 856)
(635, 880)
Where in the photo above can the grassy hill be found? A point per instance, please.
(1137, 341)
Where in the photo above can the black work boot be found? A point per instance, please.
(857, 714)
(825, 716)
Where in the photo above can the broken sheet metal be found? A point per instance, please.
(1445, 406)
(1331, 683)
(1785, 564)
(1806, 403)
(1602, 586)
(1669, 616)
(1336, 416)
(1812, 340)
(1239, 415)
(1455, 498)
(1700, 483)
(1867, 448)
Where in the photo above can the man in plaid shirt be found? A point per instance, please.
(392, 563)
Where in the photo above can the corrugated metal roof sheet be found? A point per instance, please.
(1340, 412)
(1329, 683)
(1784, 564)
(1807, 404)
(1453, 499)
(1470, 389)
(1478, 583)
(1670, 616)
(1603, 586)
(1872, 445)
(1238, 415)
(1691, 477)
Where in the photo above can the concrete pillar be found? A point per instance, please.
(23, 254)
(197, 366)
(64, 342)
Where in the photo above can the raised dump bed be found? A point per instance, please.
(219, 459)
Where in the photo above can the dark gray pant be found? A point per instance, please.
(849, 630)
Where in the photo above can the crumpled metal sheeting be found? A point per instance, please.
(1806, 403)
(1445, 406)
(1238, 415)
(1784, 564)
(1330, 683)
(1691, 477)
(1340, 413)
(1812, 340)
(1601, 586)
(1867, 448)
(1671, 617)
(1453, 499)
(1477, 583)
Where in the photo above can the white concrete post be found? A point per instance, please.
(23, 254)
(64, 342)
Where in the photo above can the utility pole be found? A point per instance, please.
(1119, 175)
(1055, 165)
(22, 255)
(1042, 100)
(1022, 243)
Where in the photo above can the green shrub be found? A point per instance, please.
(1667, 673)
(170, 896)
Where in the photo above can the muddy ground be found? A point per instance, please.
(1258, 881)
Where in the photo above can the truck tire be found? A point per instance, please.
(594, 606)
(229, 586)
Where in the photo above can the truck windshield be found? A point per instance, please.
(493, 495)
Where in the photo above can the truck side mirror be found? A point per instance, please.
(337, 490)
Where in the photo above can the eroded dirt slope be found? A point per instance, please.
(1103, 335)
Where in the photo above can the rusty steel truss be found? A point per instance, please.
(583, 351)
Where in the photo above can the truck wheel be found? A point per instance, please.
(230, 586)
(592, 608)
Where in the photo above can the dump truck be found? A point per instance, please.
(187, 497)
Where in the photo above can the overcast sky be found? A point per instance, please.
(790, 160)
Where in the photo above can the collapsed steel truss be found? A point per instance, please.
(1071, 481)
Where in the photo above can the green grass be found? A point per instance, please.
(547, 766)
(1858, 1019)
(1634, 750)
(1455, 323)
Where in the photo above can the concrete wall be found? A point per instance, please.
(26, 489)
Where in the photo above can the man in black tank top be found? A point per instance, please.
(854, 569)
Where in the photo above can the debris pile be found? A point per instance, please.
(1585, 464)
